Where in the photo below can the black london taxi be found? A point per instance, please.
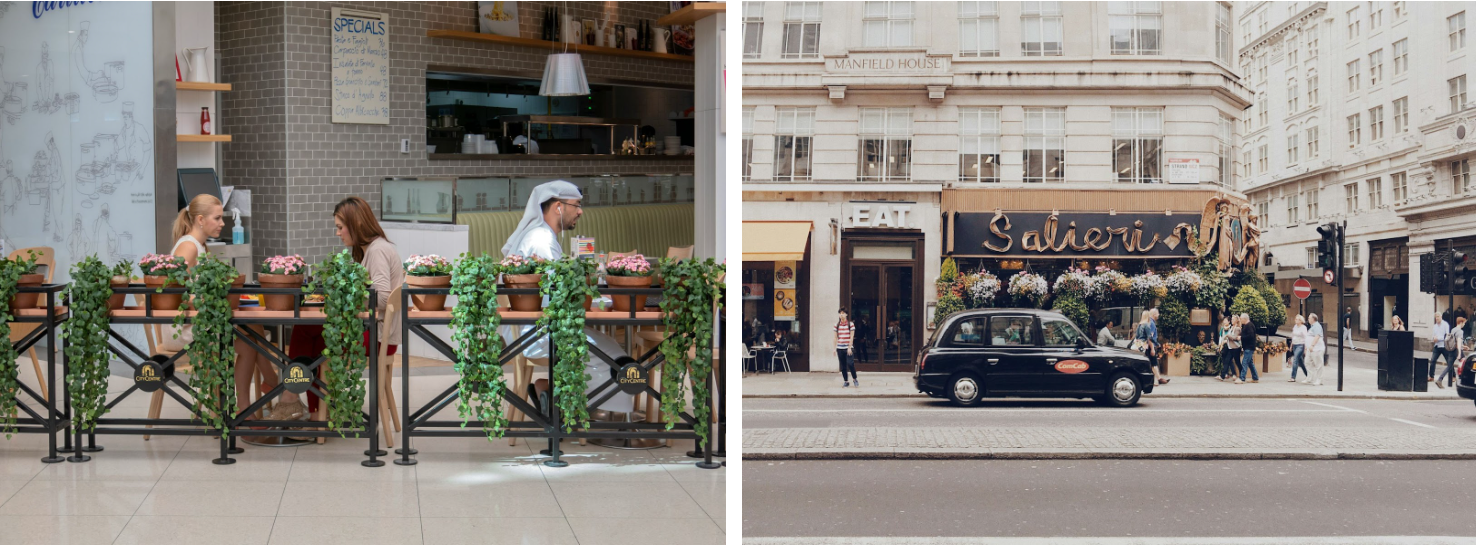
(1025, 353)
(1466, 377)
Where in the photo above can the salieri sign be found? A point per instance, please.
(880, 214)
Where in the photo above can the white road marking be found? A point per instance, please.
(1408, 422)
(1332, 406)
(1111, 540)
(1040, 410)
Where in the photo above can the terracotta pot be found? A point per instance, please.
(116, 302)
(532, 302)
(26, 301)
(162, 302)
(622, 301)
(235, 299)
(429, 302)
(279, 302)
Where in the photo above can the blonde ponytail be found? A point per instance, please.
(199, 206)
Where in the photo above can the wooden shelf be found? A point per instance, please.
(550, 46)
(202, 86)
(694, 12)
(203, 138)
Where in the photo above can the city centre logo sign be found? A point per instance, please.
(888, 64)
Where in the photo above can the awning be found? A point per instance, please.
(775, 241)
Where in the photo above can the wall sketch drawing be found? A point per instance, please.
(4, 7)
(12, 94)
(48, 100)
(110, 245)
(45, 186)
(111, 160)
(10, 195)
(105, 83)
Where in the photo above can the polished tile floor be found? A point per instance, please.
(463, 491)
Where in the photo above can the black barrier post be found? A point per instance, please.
(405, 451)
(52, 425)
(373, 421)
(556, 417)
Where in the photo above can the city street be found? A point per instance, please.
(1065, 485)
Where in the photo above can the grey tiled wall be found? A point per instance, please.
(299, 164)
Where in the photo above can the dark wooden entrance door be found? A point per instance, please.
(881, 286)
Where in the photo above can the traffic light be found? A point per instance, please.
(1327, 251)
(1462, 277)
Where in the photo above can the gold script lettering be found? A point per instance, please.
(994, 229)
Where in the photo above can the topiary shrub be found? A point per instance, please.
(1214, 287)
(1173, 319)
(1275, 308)
(1249, 301)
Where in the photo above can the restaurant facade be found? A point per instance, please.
(880, 138)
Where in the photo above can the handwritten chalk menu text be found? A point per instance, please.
(360, 67)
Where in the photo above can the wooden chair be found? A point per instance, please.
(45, 256)
(154, 334)
(388, 410)
(679, 252)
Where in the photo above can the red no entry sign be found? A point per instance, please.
(1302, 289)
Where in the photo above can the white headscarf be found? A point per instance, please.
(533, 212)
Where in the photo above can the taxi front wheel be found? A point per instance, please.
(1123, 391)
(965, 390)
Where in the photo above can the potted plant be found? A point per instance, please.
(28, 278)
(281, 272)
(1273, 356)
(521, 272)
(1028, 289)
(687, 308)
(631, 271)
(121, 275)
(162, 271)
(1177, 359)
(428, 271)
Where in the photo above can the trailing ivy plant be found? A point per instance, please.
(86, 333)
(565, 283)
(474, 322)
(686, 305)
(10, 272)
(345, 286)
(213, 350)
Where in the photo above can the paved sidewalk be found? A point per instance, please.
(1357, 383)
(1106, 443)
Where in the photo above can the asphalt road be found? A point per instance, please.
(1151, 412)
(1108, 500)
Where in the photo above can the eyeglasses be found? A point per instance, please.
(575, 205)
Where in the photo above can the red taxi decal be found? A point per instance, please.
(1071, 366)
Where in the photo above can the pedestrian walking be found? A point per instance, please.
(1438, 332)
(1454, 343)
(1145, 340)
(1299, 347)
(1348, 327)
(1316, 349)
(1229, 346)
(844, 330)
(1248, 350)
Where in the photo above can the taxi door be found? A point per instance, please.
(1013, 356)
(1068, 365)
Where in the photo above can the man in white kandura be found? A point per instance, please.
(553, 208)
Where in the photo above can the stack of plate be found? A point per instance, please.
(673, 145)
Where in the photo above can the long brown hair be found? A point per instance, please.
(358, 217)
(199, 206)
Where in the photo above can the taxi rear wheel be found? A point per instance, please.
(1123, 391)
(965, 390)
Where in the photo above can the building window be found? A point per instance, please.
(801, 30)
(1263, 210)
(886, 145)
(1375, 193)
(1350, 193)
(1137, 144)
(1261, 162)
(1261, 69)
(888, 24)
(1292, 146)
(1401, 114)
(1460, 176)
(978, 147)
(1375, 16)
(1311, 89)
(1261, 21)
(1292, 97)
(1245, 163)
(1457, 25)
(1222, 32)
(1355, 130)
(1457, 93)
(1312, 43)
(978, 29)
(1312, 144)
(1224, 137)
(793, 143)
(1263, 110)
(1311, 257)
(753, 28)
(1375, 67)
(1135, 27)
(1399, 10)
(1400, 181)
(1292, 44)
(1312, 198)
(1401, 56)
(1355, 71)
(1354, 24)
(1293, 211)
(747, 142)
(1350, 254)
(1040, 24)
(1045, 144)
(1375, 123)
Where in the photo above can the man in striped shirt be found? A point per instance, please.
(844, 331)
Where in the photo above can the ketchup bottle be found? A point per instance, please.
(204, 120)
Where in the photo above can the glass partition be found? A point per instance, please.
(418, 200)
(441, 200)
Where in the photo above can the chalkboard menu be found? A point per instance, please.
(360, 67)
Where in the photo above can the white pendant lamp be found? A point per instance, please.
(563, 73)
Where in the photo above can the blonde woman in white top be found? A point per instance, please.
(1299, 348)
(196, 223)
